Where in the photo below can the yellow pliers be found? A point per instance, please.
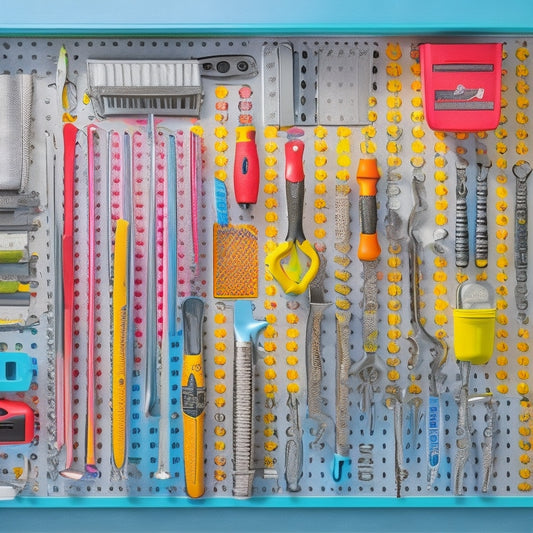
(291, 279)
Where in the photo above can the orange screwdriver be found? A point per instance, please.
(367, 178)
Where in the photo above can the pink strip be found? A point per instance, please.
(195, 153)
(91, 294)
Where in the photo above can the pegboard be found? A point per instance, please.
(388, 124)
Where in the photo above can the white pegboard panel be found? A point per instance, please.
(372, 468)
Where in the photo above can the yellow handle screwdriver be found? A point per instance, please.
(193, 396)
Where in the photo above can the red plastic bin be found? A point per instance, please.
(461, 85)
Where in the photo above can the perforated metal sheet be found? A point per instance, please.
(372, 470)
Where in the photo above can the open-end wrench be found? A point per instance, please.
(438, 348)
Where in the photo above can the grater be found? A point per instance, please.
(344, 82)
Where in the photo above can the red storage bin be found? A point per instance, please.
(461, 85)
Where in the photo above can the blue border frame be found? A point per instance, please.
(297, 17)
(282, 502)
(276, 17)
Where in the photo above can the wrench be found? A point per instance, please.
(521, 170)
(438, 349)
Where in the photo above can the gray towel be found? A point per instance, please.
(15, 122)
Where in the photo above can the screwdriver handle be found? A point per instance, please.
(367, 178)
(246, 167)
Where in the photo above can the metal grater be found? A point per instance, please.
(171, 88)
(288, 99)
(278, 84)
(344, 83)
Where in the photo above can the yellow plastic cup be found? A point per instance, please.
(474, 334)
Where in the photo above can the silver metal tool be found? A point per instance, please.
(317, 306)
(437, 348)
(482, 237)
(344, 82)
(342, 391)
(487, 445)
(152, 406)
(415, 413)
(464, 431)
(294, 446)
(462, 241)
(521, 170)
(246, 331)
(278, 84)
(395, 402)
(369, 369)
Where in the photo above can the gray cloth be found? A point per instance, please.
(15, 122)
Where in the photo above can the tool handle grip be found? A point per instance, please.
(521, 233)
(246, 166)
(294, 167)
(193, 454)
(461, 221)
(314, 360)
(193, 401)
(367, 177)
(295, 191)
(69, 155)
(482, 235)
(120, 333)
(243, 434)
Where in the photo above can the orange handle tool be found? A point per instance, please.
(367, 178)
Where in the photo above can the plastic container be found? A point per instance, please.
(474, 334)
(462, 86)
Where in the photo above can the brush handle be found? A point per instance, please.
(243, 435)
